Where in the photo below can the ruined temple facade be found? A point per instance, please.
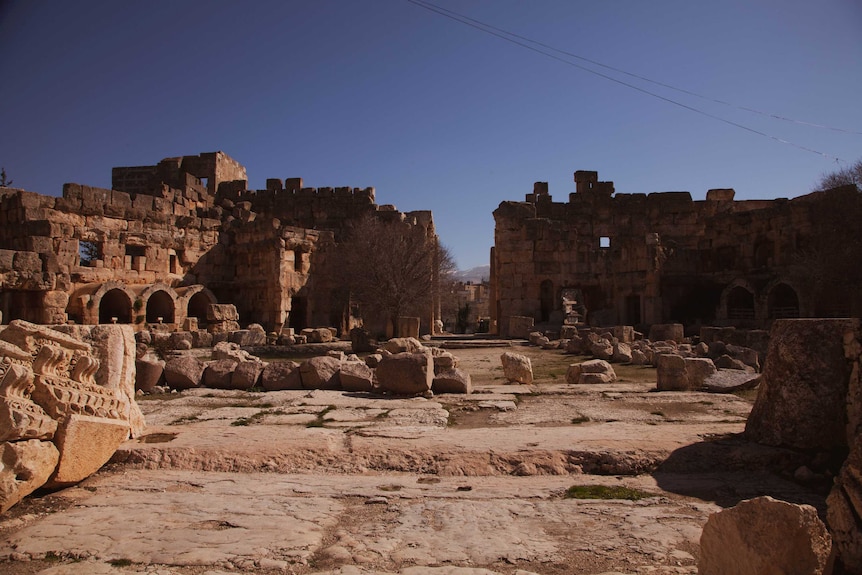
(170, 239)
(642, 259)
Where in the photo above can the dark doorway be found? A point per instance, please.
(633, 309)
(298, 313)
(740, 304)
(115, 304)
(160, 305)
(783, 302)
(198, 306)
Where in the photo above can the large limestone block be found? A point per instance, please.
(402, 344)
(517, 368)
(406, 373)
(184, 372)
(85, 444)
(592, 371)
(671, 374)
(320, 373)
(148, 374)
(280, 375)
(246, 374)
(217, 374)
(24, 467)
(452, 380)
(222, 312)
(844, 510)
(20, 417)
(356, 376)
(802, 400)
(697, 370)
(764, 536)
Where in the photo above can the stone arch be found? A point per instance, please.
(764, 253)
(115, 304)
(159, 301)
(738, 301)
(194, 301)
(782, 301)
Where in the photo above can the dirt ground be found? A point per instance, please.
(548, 478)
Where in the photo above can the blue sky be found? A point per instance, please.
(435, 114)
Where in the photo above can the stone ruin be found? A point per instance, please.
(172, 239)
(63, 410)
(642, 259)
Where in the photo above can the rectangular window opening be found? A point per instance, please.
(604, 242)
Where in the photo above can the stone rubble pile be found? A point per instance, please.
(402, 366)
(66, 404)
(711, 364)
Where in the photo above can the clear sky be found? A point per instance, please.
(435, 114)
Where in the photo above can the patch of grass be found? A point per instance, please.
(120, 562)
(390, 487)
(52, 557)
(580, 419)
(382, 415)
(184, 419)
(241, 422)
(318, 422)
(658, 412)
(605, 492)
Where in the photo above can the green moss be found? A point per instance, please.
(605, 492)
(580, 419)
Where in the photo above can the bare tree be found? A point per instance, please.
(841, 177)
(3, 181)
(392, 268)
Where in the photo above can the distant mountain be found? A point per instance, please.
(475, 275)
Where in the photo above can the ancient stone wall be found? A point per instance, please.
(639, 259)
(125, 255)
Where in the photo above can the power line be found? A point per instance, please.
(519, 41)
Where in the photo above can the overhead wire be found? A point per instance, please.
(520, 41)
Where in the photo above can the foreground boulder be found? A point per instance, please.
(764, 535)
(452, 380)
(356, 376)
(185, 372)
(320, 373)
(517, 368)
(802, 400)
(406, 373)
(58, 424)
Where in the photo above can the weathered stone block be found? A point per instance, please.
(85, 444)
(406, 373)
(25, 466)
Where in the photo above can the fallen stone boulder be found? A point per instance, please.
(592, 371)
(730, 380)
(279, 375)
(764, 535)
(671, 374)
(517, 368)
(320, 373)
(844, 511)
(402, 344)
(452, 380)
(230, 350)
(148, 374)
(802, 401)
(356, 376)
(218, 373)
(246, 374)
(184, 372)
(697, 370)
(406, 373)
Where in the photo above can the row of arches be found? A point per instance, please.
(114, 302)
(741, 301)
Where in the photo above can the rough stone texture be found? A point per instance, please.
(520, 326)
(672, 374)
(184, 372)
(318, 334)
(592, 371)
(622, 353)
(517, 368)
(697, 370)
(802, 400)
(356, 376)
(406, 373)
(730, 380)
(85, 444)
(667, 332)
(246, 374)
(217, 374)
(452, 380)
(764, 535)
(230, 350)
(24, 467)
(320, 373)
(361, 340)
(148, 374)
(278, 375)
(402, 344)
(844, 511)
